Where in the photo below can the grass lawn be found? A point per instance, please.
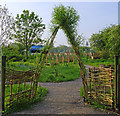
(23, 103)
(64, 72)
(97, 62)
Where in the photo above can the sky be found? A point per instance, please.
(94, 16)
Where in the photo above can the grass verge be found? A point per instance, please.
(24, 103)
(60, 72)
(97, 62)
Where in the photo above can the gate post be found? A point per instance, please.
(3, 83)
(118, 87)
(116, 80)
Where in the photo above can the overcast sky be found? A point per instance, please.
(94, 16)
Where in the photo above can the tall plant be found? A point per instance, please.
(67, 18)
(28, 29)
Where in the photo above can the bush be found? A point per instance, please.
(51, 78)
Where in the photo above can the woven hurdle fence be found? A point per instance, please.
(101, 87)
(60, 59)
(17, 86)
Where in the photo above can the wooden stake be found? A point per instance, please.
(68, 59)
(62, 59)
(3, 83)
(73, 60)
(90, 84)
(46, 59)
(18, 91)
(118, 87)
(112, 93)
(52, 60)
(116, 80)
(57, 59)
(11, 83)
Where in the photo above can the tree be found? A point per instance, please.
(67, 19)
(14, 50)
(114, 40)
(6, 21)
(27, 29)
(107, 41)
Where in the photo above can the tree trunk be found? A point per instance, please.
(26, 53)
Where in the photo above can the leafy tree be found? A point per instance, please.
(13, 51)
(114, 40)
(28, 29)
(6, 21)
(61, 48)
(107, 41)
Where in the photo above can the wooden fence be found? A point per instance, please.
(60, 59)
(101, 87)
(17, 86)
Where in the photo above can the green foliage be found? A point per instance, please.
(107, 41)
(25, 103)
(81, 92)
(13, 49)
(67, 18)
(27, 29)
(21, 66)
(66, 72)
(64, 16)
(61, 48)
(97, 62)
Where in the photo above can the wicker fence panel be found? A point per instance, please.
(20, 85)
(101, 87)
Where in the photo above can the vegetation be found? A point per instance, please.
(67, 19)
(6, 21)
(61, 49)
(65, 71)
(97, 62)
(13, 51)
(27, 29)
(107, 41)
(23, 103)
(60, 72)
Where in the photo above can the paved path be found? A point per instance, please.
(63, 98)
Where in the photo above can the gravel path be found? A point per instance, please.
(63, 98)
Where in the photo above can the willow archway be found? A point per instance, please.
(66, 18)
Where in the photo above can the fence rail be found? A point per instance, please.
(60, 58)
(101, 87)
(17, 85)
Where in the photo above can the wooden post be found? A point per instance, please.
(118, 87)
(112, 93)
(73, 60)
(3, 82)
(52, 60)
(57, 59)
(62, 59)
(90, 83)
(56, 73)
(17, 91)
(68, 59)
(116, 81)
(46, 59)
